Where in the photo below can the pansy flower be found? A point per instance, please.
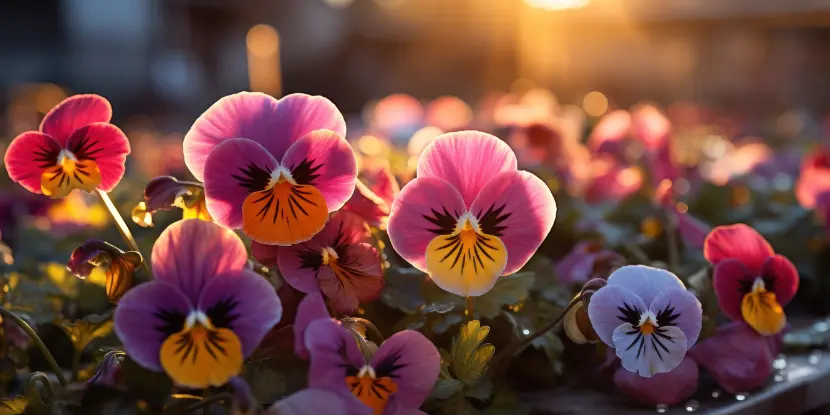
(167, 192)
(339, 262)
(470, 216)
(395, 381)
(274, 168)
(372, 200)
(204, 312)
(75, 148)
(751, 281)
(647, 315)
(120, 266)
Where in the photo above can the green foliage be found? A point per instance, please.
(152, 387)
(508, 290)
(84, 331)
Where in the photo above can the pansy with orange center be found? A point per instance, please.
(75, 148)
(204, 313)
(752, 282)
(274, 168)
(470, 216)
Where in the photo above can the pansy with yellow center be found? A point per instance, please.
(75, 148)
(470, 216)
(274, 168)
(204, 313)
(752, 283)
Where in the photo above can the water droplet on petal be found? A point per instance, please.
(741, 396)
(814, 357)
(692, 406)
(662, 408)
(780, 362)
(716, 393)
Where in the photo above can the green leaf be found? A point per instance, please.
(13, 406)
(404, 289)
(152, 387)
(445, 389)
(553, 347)
(468, 356)
(509, 290)
(84, 331)
(273, 379)
(481, 391)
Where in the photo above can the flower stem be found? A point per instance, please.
(123, 229)
(470, 311)
(42, 347)
(371, 326)
(34, 378)
(76, 364)
(205, 403)
(674, 247)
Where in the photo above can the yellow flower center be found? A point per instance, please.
(761, 310)
(68, 174)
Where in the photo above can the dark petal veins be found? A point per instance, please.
(629, 314)
(85, 148)
(173, 321)
(389, 366)
(46, 157)
(667, 317)
(306, 172)
(253, 177)
(490, 221)
(769, 279)
(310, 259)
(444, 222)
(746, 286)
(222, 313)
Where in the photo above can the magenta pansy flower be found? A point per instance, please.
(395, 381)
(648, 317)
(587, 259)
(752, 283)
(204, 313)
(737, 357)
(470, 216)
(274, 168)
(814, 179)
(668, 388)
(339, 262)
(75, 148)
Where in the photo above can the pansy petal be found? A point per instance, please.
(604, 310)
(518, 208)
(275, 125)
(343, 228)
(299, 265)
(647, 282)
(266, 254)
(680, 308)
(784, 277)
(235, 169)
(243, 301)
(737, 241)
(311, 308)
(369, 206)
(190, 252)
(106, 145)
(334, 354)
(466, 263)
(356, 277)
(384, 185)
(28, 155)
(146, 316)
(737, 357)
(425, 208)
(649, 354)
(663, 388)
(413, 363)
(73, 113)
(199, 357)
(313, 402)
(325, 160)
(467, 160)
(730, 278)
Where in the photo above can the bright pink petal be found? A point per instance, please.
(275, 125)
(517, 207)
(383, 184)
(467, 160)
(369, 206)
(413, 362)
(325, 160)
(730, 280)
(650, 126)
(814, 179)
(191, 252)
(311, 308)
(73, 113)
(355, 278)
(611, 128)
(28, 155)
(425, 208)
(235, 169)
(663, 388)
(266, 254)
(784, 277)
(737, 357)
(737, 241)
(107, 145)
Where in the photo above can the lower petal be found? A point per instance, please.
(201, 357)
(28, 155)
(412, 362)
(58, 181)
(649, 354)
(373, 392)
(466, 263)
(285, 214)
(763, 313)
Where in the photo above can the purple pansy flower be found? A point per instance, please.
(647, 315)
(586, 260)
(274, 168)
(311, 309)
(204, 312)
(395, 381)
(120, 266)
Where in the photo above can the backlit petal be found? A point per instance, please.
(413, 363)
(737, 241)
(383, 184)
(334, 354)
(680, 308)
(466, 263)
(73, 113)
(311, 308)
(647, 282)
(649, 354)
(369, 206)
(266, 254)
(518, 208)
(784, 277)
(190, 252)
(28, 155)
(285, 214)
(467, 160)
(58, 181)
(730, 278)
(355, 278)
(235, 169)
(604, 310)
(426, 207)
(106, 145)
(325, 160)
(199, 358)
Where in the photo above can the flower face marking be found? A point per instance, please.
(373, 390)
(761, 310)
(68, 174)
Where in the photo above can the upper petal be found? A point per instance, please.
(233, 170)
(730, 278)
(467, 160)
(413, 362)
(274, 124)
(105, 144)
(383, 184)
(190, 252)
(680, 308)
(425, 208)
(325, 160)
(311, 308)
(605, 310)
(28, 155)
(784, 277)
(73, 113)
(738, 241)
(334, 353)
(146, 316)
(647, 282)
(517, 207)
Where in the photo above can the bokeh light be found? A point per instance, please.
(595, 103)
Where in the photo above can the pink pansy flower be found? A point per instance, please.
(470, 216)
(814, 179)
(372, 201)
(339, 262)
(274, 168)
(75, 148)
(752, 283)
(663, 388)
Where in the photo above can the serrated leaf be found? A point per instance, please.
(509, 290)
(84, 331)
(13, 406)
(469, 357)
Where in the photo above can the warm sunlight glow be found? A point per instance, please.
(264, 60)
(557, 4)
(595, 103)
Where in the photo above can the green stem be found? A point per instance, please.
(371, 326)
(41, 377)
(38, 342)
(205, 403)
(124, 230)
(470, 311)
(76, 364)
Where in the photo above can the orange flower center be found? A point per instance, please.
(373, 391)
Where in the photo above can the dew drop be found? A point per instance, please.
(779, 378)
(814, 358)
(662, 408)
(526, 332)
(692, 406)
(716, 393)
(780, 362)
(741, 396)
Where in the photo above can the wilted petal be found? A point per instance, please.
(737, 241)
(737, 357)
(28, 156)
(109, 372)
(413, 363)
(106, 145)
(663, 388)
(120, 266)
(325, 160)
(311, 308)
(166, 192)
(73, 113)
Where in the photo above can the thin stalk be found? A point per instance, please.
(674, 246)
(38, 342)
(205, 403)
(470, 310)
(41, 377)
(76, 364)
(123, 229)
(371, 326)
